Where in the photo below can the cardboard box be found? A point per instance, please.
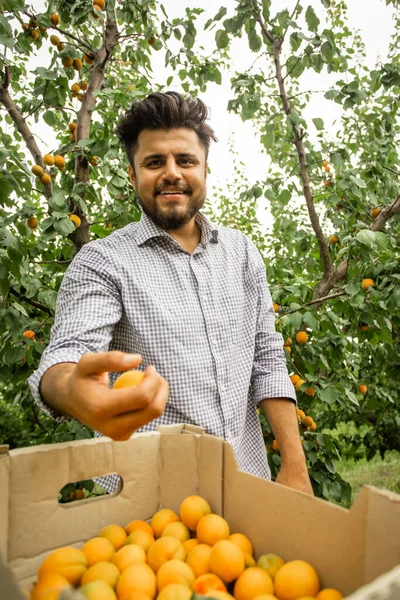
(348, 548)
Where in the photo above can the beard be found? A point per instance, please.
(172, 216)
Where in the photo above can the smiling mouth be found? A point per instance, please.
(171, 192)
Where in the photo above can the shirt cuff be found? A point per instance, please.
(57, 356)
(278, 385)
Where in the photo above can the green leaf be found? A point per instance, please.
(79, 188)
(85, 142)
(352, 397)
(330, 465)
(7, 41)
(382, 240)
(327, 51)
(50, 118)
(310, 321)
(268, 139)
(329, 395)
(367, 238)
(360, 183)
(48, 297)
(295, 66)
(4, 287)
(188, 39)
(295, 41)
(47, 74)
(312, 19)
(20, 309)
(222, 39)
(58, 200)
(221, 13)
(352, 288)
(64, 226)
(255, 42)
(336, 159)
(319, 124)
(14, 355)
(294, 320)
(284, 197)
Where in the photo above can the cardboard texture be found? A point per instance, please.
(349, 548)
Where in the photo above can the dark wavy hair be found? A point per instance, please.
(167, 110)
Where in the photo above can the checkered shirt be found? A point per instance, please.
(205, 321)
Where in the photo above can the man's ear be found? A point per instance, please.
(132, 176)
(207, 170)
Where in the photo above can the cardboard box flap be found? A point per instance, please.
(37, 474)
(379, 511)
(191, 464)
(4, 498)
(181, 428)
(295, 525)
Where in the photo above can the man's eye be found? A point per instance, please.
(153, 163)
(186, 161)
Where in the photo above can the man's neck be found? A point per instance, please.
(188, 236)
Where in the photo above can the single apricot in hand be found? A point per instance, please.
(129, 379)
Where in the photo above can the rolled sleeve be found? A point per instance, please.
(270, 377)
(88, 307)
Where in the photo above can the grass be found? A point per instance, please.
(383, 474)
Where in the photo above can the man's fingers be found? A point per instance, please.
(133, 398)
(124, 425)
(101, 362)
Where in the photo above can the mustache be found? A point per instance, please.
(176, 188)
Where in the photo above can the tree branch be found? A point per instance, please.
(51, 262)
(80, 236)
(291, 18)
(265, 31)
(391, 170)
(31, 302)
(73, 37)
(298, 137)
(22, 127)
(326, 284)
(319, 301)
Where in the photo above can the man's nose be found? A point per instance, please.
(171, 172)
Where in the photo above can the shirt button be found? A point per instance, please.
(215, 342)
(223, 388)
(204, 296)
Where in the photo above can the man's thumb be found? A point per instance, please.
(101, 362)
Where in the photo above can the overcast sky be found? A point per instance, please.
(376, 26)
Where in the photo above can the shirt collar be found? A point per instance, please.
(147, 230)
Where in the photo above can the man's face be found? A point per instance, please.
(169, 175)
